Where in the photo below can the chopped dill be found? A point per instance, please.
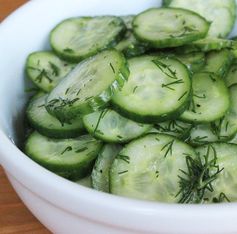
(198, 179)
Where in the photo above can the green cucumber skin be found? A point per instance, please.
(75, 58)
(151, 119)
(58, 133)
(203, 46)
(98, 102)
(171, 42)
(71, 172)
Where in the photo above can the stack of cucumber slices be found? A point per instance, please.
(142, 106)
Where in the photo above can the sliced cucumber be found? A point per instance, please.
(110, 126)
(47, 124)
(46, 70)
(157, 89)
(226, 180)
(210, 99)
(70, 158)
(218, 62)
(175, 128)
(148, 168)
(89, 86)
(231, 77)
(207, 44)
(78, 38)
(100, 172)
(220, 13)
(169, 27)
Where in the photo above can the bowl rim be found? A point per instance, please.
(18, 165)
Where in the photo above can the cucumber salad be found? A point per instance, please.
(142, 106)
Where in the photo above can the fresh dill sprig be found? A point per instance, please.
(168, 147)
(125, 158)
(199, 177)
(180, 81)
(222, 197)
(55, 69)
(69, 148)
(165, 69)
(101, 116)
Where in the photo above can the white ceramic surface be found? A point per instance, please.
(62, 206)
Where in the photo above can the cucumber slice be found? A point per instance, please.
(207, 44)
(158, 89)
(47, 124)
(110, 126)
(78, 38)
(169, 27)
(89, 86)
(100, 172)
(218, 62)
(46, 70)
(70, 158)
(226, 180)
(210, 99)
(148, 168)
(231, 77)
(175, 128)
(220, 13)
(221, 130)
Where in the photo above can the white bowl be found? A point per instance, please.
(63, 206)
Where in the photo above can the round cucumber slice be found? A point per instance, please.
(70, 158)
(225, 183)
(46, 70)
(148, 168)
(89, 86)
(110, 126)
(157, 89)
(220, 13)
(210, 99)
(78, 38)
(100, 172)
(169, 27)
(47, 124)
